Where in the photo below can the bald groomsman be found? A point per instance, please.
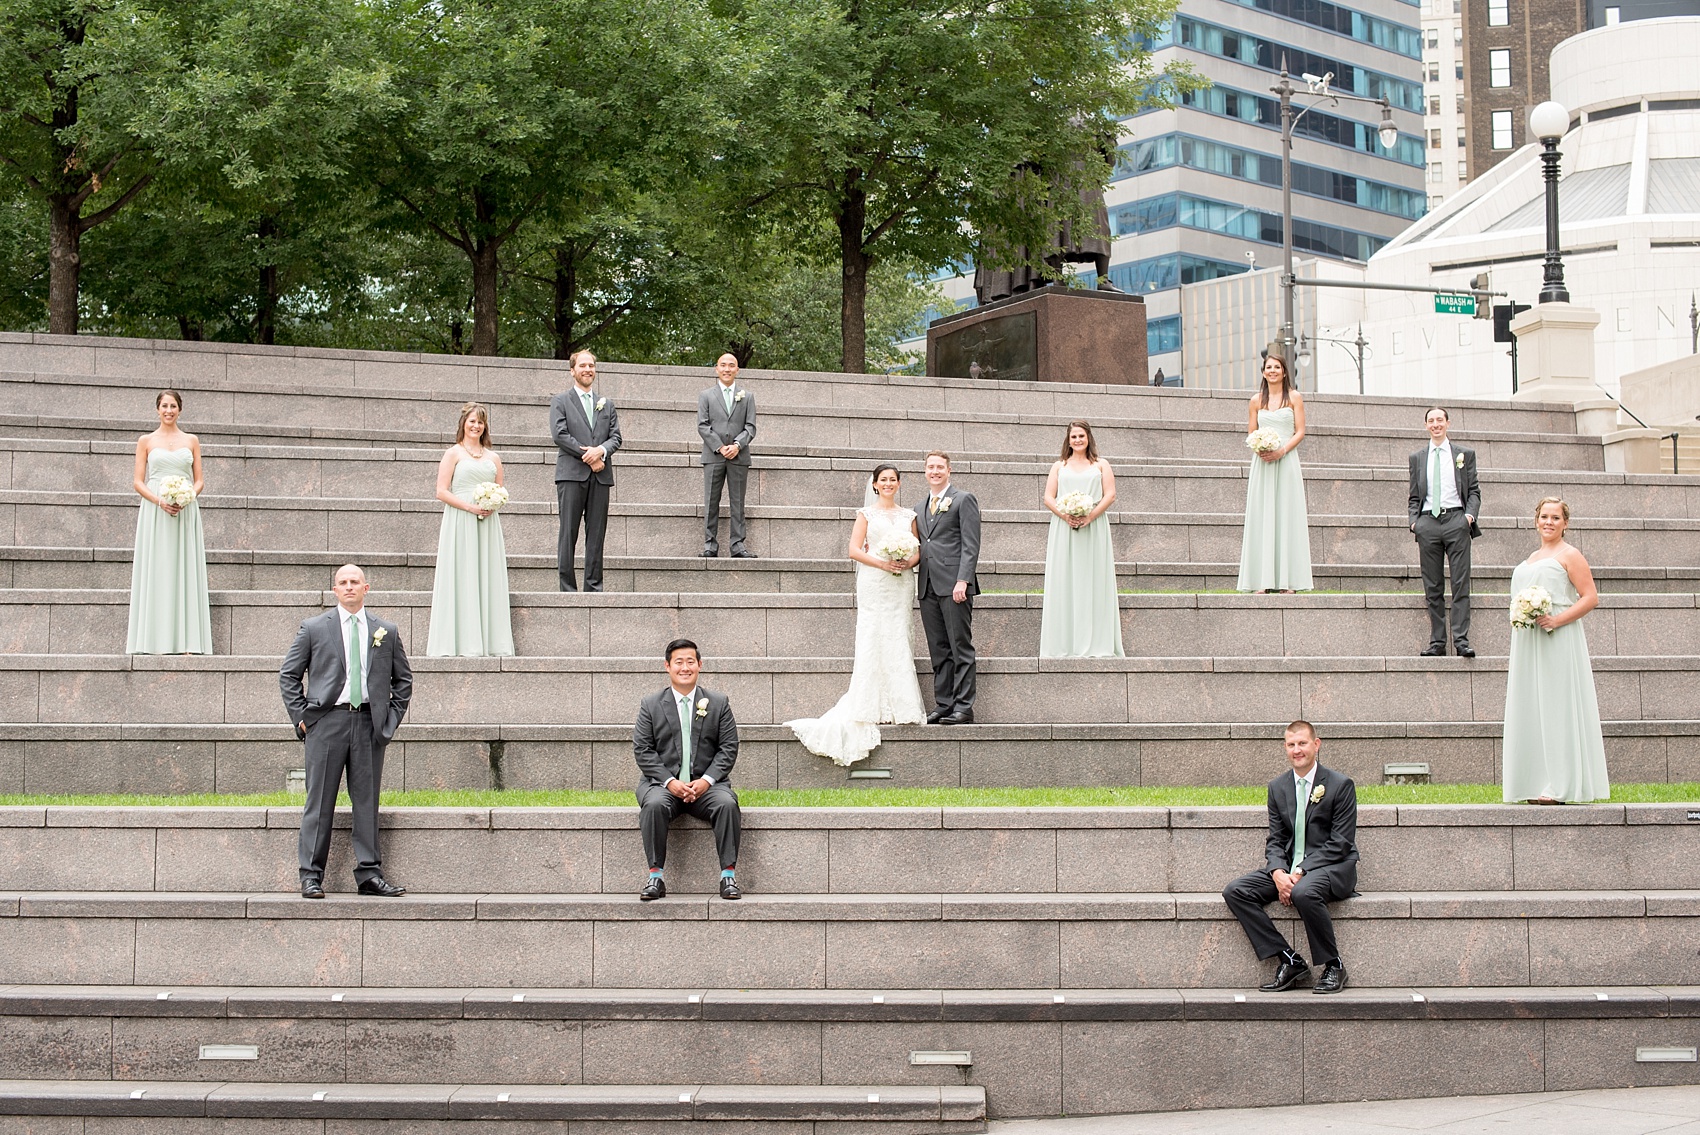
(726, 419)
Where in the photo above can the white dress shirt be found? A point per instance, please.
(1449, 477)
(690, 700)
(346, 696)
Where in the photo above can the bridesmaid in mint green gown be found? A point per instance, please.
(1553, 749)
(1275, 551)
(469, 602)
(169, 613)
(1082, 612)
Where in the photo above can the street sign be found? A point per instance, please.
(1456, 304)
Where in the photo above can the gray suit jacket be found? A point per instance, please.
(950, 544)
(655, 738)
(573, 435)
(1331, 824)
(719, 428)
(1469, 489)
(320, 652)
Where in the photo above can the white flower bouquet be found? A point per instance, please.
(1263, 441)
(897, 547)
(1528, 605)
(1075, 504)
(177, 491)
(489, 495)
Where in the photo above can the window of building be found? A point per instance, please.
(1613, 15)
(1463, 173)
(1460, 104)
(1499, 67)
(1435, 200)
(1434, 37)
(1501, 120)
(1458, 69)
(1461, 143)
(1434, 139)
(1435, 172)
(1499, 13)
(1457, 7)
(1458, 34)
(1434, 104)
(1434, 70)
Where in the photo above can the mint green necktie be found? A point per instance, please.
(1299, 825)
(685, 738)
(1434, 480)
(355, 678)
(726, 394)
(589, 410)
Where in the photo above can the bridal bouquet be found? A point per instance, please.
(489, 495)
(177, 491)
(1263, 441)
(1530, 604)
(1074, 504)
(897, 547)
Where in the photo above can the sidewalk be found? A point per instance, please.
(1622, 1111)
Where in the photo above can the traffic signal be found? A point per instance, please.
(1503, 314)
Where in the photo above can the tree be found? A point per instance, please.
(76, 79)
(904, 122)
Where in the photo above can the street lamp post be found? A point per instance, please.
(1548, 123)
(1386, 131)
(1360, 347)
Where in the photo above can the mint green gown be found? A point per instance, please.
(1553, 746)
(168, 574)
(1082, 615)
(469, 601)
(1275, 551)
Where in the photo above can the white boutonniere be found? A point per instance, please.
(1458, 461)
(738, 397)
(601, 402)
(378, 636)
(944, 505)
(702, 707)
(1317, 793)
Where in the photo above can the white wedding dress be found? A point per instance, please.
(883, 686)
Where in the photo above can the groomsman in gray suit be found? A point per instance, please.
(949, 522)
(586, 428)
(686, 742)
(358, 684)
(726, 419)
(1445, 500)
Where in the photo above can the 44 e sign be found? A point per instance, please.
(1455, 304)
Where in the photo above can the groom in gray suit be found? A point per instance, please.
(586, 428)
(949, 522)
(726, 419)
(1442, 511)
(358, 684)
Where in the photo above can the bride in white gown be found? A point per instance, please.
(883, 686)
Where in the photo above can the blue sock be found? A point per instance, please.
(728, 873)
(655, 872)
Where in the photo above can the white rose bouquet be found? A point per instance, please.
(1528, 605)
(489, 495)
(1074, 504)
(177, 491)
(897, 547)
(1263, 441)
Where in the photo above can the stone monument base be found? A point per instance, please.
(1055, 334)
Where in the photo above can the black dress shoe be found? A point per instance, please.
(1287, 975)
(1434, 650)
(1464, 650)
(381, 888)
(745, 554)
(656, 888)
(729, 889)
(1333, 978)
(312, 889)
(708, 554)
(937, 716)
(960, 717)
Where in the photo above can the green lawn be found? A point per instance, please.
(891, 797)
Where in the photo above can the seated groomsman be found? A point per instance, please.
(1311, 861)
(357, 687)
(726, 419)
(686, 742)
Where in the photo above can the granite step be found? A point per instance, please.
(871, 860)
(173, 760)
(355, 526)
(1000, 940)
(775, 625)
(242, 689)
(1031, 1052)
(238, 569)
(165, 1106)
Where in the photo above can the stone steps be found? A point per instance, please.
(174, 760)
(786, 625)
(238, 569)
(1033, 1052)
(341, 1106)
(355, 526)
(238, 689)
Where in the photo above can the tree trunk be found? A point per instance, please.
(192, 329)
(566, 296)
(265, 318)
(486, 315)
(65, 265)
(853, 304)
